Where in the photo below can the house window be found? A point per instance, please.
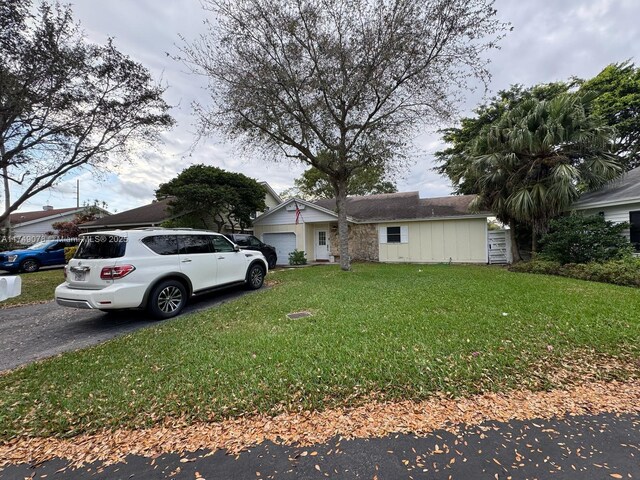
(322, 238)
(393, 235)
(634, 230)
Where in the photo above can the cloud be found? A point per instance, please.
(550, 41)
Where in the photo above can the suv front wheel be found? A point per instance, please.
(30, 265)
(255, 276)
(167, 299)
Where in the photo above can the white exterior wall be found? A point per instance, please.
(288, 217)
(36, 231)
(435, 241)
(616, 213)
(270, 201)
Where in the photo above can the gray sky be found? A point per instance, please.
(551, 40)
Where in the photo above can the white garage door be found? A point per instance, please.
(284, 243)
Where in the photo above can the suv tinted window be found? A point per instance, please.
(162, 244)
(242, 241)
(253, 241)
(221, 244)
(101, 246)
(62, 244)
(195, 244)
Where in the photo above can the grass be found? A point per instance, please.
(36, 287)
(384, 331)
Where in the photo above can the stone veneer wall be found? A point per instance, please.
(363, 242)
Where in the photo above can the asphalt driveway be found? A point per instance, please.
(603, 446)
(34, 332)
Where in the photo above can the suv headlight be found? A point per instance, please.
(12, 258)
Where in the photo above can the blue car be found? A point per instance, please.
(42, 254)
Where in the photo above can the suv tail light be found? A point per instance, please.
(113, 273)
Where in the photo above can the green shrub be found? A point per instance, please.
(547, 267)
(297, 257)
(624, 272)
(584, 239)
(68, 253)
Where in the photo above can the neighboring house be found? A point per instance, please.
(151, 215)
(31, 227)
(618, 201)
(394, 227)
(155, 213)
(271, 199)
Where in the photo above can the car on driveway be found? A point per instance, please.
(30, 259)
(155, 269)
(249, 242)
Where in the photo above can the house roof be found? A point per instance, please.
(24, 217)
(273, 193)
(624, 189)
(151, 214)
(403, 206)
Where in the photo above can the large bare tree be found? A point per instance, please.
(65, 103)
(338, 84)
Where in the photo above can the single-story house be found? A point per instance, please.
(618, 201)
(150, 215)
(31, 227)
(157, 212)
(395, 227)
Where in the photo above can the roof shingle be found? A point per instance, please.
(22, 217)
(153, 213)
(402, 206)
(626, 187)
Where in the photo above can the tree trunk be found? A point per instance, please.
(343, 226)
(534, 243)
(515, 250)
(5, 225)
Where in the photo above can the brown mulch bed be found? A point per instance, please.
(374, 419)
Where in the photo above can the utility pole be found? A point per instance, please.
(78, 193)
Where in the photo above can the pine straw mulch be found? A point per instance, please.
(374, 419)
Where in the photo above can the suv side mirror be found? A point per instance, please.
(236, 248)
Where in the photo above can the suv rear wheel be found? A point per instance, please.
(167, 299)
(271, 260)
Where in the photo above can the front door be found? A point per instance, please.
(322, 245)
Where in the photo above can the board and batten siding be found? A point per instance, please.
(615, 213)
(435, 241)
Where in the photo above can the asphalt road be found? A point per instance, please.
(603, 446)
(34, 332)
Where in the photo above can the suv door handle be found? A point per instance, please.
(221, 258)
(186, 260)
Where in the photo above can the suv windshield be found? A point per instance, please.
(101, 246)
(39, 245)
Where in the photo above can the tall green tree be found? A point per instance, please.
(66, 103)
(455, 159)
(209, 197)
(617, 90)
(369, 180)
(531, 164)
(355, 78)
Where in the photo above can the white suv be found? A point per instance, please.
(156, 269)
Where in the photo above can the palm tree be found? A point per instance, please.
(538, 158)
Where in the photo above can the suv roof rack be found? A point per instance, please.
(162, 228)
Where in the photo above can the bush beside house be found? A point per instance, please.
(586, 248)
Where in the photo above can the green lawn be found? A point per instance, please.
(391, 331)
(36, 287)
